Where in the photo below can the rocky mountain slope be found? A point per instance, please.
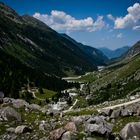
(134, 50)
(97, 57)
(38, 46)
(30, 51)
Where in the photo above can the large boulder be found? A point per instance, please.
(69, 136)
(115, 114)
(106, 112)
(8, 114)
(126, 112)
(19, 103)
(130, 131)
(22, 129)
(34, 107)
(97, 120)
(138, 111)
(98, 125)
(7, 100)
(80, 119)
(101, 129)
(70, 127)
(57, 133)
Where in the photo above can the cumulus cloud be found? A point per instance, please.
(120, 35)
(60, 21)
(131, 19)
(136, 27)
(109, 16)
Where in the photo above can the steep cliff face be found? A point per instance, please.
(134, 50)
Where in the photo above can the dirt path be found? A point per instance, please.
(120, 105)
(71, 78)
(33, 93)
(71, 106)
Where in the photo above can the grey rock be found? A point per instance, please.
(70, 127)
(43, 125)
(126, 112)
(57, 133)
(115, 114)
(22, 129)
(10, 130)
(8, 113)
(131, 131)
(89, 138)
(101, 129)
(44, 138)
(19, 103)
(96, 119)
(69, 136)
(7, 100)
(106, 112)
(8, 136)
(80, 119)
(34, 107)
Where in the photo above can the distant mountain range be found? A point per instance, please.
(114, 53)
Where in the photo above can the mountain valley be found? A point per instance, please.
(55, 88)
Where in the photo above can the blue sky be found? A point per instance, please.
(98, 23)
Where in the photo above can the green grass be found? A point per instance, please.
(82, 112)
(121, 122)
(47, 94)
(88, 78)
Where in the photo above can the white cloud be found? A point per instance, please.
(98, 24)
(131, 19)
(120, 35)
(136, 28)
(60, 21)
(109, 16)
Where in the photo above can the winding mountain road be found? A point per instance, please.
(120, 105)
(33, 93)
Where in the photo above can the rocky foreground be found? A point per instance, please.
(20, 120)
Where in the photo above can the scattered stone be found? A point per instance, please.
(115, 114)
(80, 119)
(126, 112)
(130, 131)
(96, 119)
(106, 112)
(34, 107)
(43, 126)
(10, 130)
(44, 138)
(8, 114)
(22, 129)
(70, 127)
(98, 125)
(57, 134)
(19, 103)
(69, 136)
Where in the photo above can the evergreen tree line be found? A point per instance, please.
(14, 75)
